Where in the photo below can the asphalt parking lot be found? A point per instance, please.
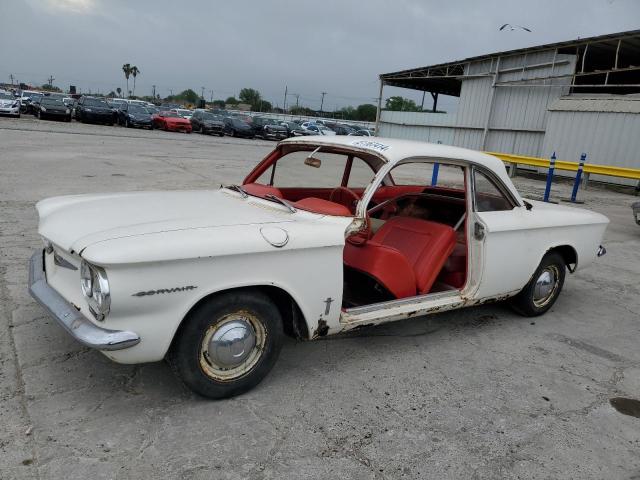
(474, 393)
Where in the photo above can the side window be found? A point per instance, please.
(429, 174)
(489, 198)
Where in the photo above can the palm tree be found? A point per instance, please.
(126, 68)
(119, 90)
(135, 71)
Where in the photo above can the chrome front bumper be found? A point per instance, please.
(70, 318)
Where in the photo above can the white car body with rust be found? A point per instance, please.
(164, 252)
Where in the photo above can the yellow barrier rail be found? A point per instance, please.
(591, 168)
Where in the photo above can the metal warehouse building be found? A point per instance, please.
(569, 97)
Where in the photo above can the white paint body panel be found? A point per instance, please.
(218, 240)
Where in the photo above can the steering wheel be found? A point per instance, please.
(342, 195)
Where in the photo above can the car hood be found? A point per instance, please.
(176, 120)
(7, 102)
(74, 222)
(215, 123)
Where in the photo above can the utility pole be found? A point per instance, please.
(284, 104)
(154, 92)
(50, 79)
(202, 94)
(322, 102)
(171, 92)
(297, 98)
(11, 77)
(211, 95)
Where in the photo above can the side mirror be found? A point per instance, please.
(313, 162)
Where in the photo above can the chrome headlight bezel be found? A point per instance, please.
(95, 288)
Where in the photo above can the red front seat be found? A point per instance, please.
(405, 255)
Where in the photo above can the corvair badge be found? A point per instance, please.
(164, 290)
(377, 146)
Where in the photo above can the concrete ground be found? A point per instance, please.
(476, 393)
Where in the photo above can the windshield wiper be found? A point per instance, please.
(238, 189)
(282, 201)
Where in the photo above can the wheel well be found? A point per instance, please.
(293, 320)
(569, 255)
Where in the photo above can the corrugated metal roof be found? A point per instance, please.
(611, 103)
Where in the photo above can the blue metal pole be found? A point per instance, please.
(434, 176)
(576, 183)
(552, 167)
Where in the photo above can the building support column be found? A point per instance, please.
(485, 132)
(379, 111)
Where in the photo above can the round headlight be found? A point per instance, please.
(95, 288)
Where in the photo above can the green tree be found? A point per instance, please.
(366, 113)
(135, 71)
(401, 104)
(119, 90)
(50, 88)
(218, 103)
(126, 68)
(187, 95)
(232, 101)
(301, 111)
(250, 96)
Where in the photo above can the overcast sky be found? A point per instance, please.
(333, 46)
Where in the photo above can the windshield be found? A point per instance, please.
(95, 102)
(212, 116)
(52, 101)
(185, 112)
(6, 96)
(137, 109)
(170, 114)
(269, 121)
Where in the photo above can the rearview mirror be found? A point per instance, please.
(313, 162)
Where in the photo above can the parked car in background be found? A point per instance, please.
(636, 212)
(237, 128)
(364, 132)
(317, 129)
(207, 122)
(340, 128)
(134, 115)
(94, 110)
(25, 100)
(34, 104)
(183, 112)
(212, 280)
(9, 104)
(294, 129)
(54, 108)
(268, 128)
(171, 121)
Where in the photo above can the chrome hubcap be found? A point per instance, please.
(232, 346)
(546, 286)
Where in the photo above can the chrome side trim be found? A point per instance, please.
(69, 317)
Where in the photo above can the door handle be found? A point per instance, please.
(478, 231)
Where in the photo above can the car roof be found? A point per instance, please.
(394, 150)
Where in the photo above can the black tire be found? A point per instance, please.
(233, 132)
(532, 301)
(127, 124)
(202, 131)
(199, 371)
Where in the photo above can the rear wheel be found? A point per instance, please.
(202, 130)
(228, 344)
(543, 289)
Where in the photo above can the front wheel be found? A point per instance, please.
(228, 344)
(543, 289)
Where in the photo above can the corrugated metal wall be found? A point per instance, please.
(607, 138)
(518, 114)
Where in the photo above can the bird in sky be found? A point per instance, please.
(513, 27)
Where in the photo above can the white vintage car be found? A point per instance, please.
(325, 235)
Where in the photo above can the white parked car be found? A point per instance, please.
(9, 104)
(325, 235)
(183, 112)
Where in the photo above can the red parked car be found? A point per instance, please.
(171, 121)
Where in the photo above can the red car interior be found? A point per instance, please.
(422, 248)
(325, 207)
